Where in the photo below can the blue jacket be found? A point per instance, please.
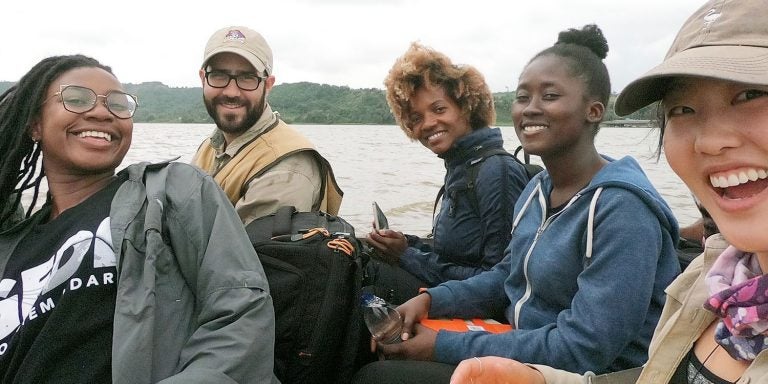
(584, 288)
(468, 241)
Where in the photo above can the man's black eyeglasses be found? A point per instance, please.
(244, 81)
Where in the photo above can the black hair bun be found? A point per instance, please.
(589, 36)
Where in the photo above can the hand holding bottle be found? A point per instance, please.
(413, 311)
(382, 319)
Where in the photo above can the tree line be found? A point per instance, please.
(301, 103)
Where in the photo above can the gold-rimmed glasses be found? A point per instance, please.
(77, 99)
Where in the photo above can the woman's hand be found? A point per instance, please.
(412, 311)
(495, 370)
(389, 244)
(419, 346)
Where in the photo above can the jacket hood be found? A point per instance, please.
(626, 173)
(136, 171)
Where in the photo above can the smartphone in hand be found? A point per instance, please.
(379, 220)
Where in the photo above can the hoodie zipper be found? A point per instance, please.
(539, 231)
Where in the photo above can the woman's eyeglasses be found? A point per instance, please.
(77, 99)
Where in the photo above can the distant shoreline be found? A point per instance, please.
(312, 103)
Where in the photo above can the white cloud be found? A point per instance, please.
(339, 42)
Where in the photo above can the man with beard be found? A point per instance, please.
(257, 159)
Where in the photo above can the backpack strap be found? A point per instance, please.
(530, 169)
(440, 194)
(473, 168)
(282, 223)
(155, 184)
(526, 156)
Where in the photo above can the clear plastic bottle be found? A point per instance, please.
(382, 319)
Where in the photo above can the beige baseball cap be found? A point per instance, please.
(724, 39)
(242, 41)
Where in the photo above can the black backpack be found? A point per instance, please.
(314, 265)
(473, 168)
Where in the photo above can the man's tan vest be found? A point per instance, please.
(261, 154)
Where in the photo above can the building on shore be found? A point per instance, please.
(629, 123)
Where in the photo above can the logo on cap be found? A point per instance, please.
(710, 17)
(235, 35)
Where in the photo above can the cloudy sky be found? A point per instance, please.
(338, 42)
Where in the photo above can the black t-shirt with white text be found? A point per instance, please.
(57, 298)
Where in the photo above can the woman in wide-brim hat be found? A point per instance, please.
(713, 93)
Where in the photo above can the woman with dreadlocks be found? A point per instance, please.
(135, 276)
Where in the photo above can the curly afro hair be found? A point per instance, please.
(422, 66)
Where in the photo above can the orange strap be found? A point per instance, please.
(315, 231)
(342, 245)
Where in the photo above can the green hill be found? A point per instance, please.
(159, 103)
(298, 103)
(329, 104)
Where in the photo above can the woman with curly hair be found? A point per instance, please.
(448, 108)
(593, 243)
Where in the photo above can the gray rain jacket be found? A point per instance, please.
(193, 304)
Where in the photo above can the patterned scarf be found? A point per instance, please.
(739, 296)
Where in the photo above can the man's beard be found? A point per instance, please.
(228, 121)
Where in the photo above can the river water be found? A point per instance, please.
(380, 163)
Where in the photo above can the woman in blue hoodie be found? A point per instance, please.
(592, 249)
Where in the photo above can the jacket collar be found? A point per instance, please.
(470, 144)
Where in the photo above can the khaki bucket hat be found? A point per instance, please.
(724, 39)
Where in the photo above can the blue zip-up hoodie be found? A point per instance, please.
(583, 288)
(469, 240)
